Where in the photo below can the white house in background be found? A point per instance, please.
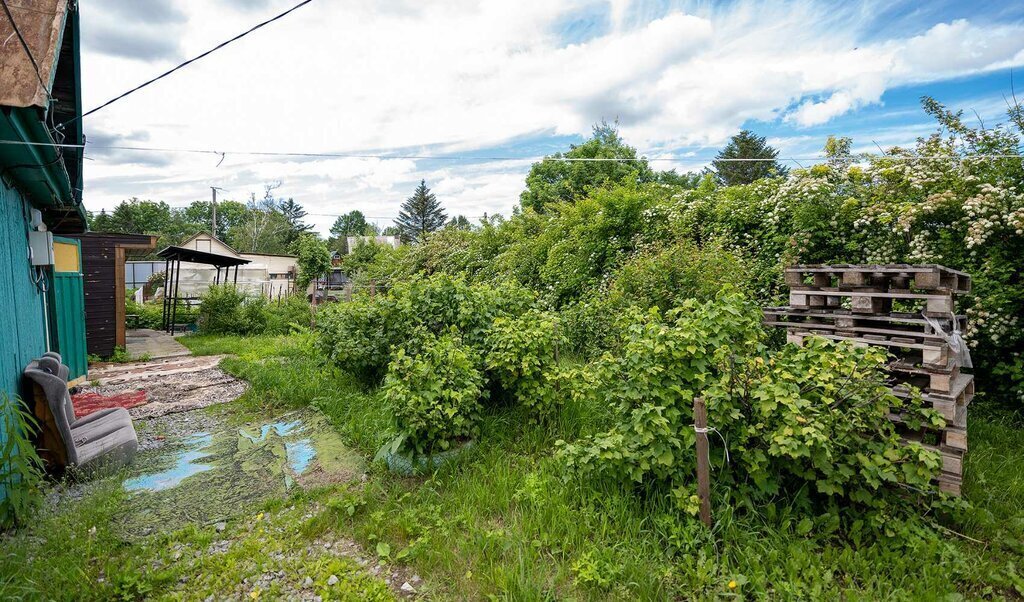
(354, 241)
(266, 274)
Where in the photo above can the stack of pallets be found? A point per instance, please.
(910, 310)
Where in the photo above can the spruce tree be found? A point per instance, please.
(747, 145)
(294, 214)
(421, 214)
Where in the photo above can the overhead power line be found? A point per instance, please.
(188, 62)
(385, 216)
(24, 45)
(488, 158)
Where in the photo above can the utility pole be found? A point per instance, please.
(213, 229)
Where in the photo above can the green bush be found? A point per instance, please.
(664, 277)
(227, 310)
(812, 418)
(592, 325)
(357, 335)
(287, 314)
(435, 395)
(360, 334)
(221, 311)
(521, 353)
(151, 315)
(21, 470)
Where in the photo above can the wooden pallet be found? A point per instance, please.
(942, 379)
(950, 478)
(847, 318)
(931, 353)
(854, 325)
(938, 381)
(855, 303)
(951, 404)
(870, 302)
(927, 277)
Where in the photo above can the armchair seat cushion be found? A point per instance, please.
(110, 451)
(84, 431)
(97, 415)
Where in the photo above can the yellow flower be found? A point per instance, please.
(732, 584)
(259, 516)
(254, 594)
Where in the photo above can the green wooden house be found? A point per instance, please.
(41, 302)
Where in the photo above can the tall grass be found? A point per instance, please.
(508, 521)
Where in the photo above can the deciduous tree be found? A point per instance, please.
(601, 161)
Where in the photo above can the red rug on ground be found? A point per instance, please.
(88, 402)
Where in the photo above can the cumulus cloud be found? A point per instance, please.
(428, 78)
(144, 30)
(102, 147)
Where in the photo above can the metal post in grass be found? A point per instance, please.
(164, 306)
(700, 426)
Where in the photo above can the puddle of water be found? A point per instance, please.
(281, 428)
(186, 464)
(229, 467)
(300, 454)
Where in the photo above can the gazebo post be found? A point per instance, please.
(174, 310)
(167, 282)
(236, 275)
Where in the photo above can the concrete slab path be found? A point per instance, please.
(154, 343)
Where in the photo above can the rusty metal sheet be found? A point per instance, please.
(41, 23)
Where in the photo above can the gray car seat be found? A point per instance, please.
(106, 438)
(64, 370)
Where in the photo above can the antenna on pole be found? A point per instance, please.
(213, 228)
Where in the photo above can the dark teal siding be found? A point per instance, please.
(67, 314)
(22, 326)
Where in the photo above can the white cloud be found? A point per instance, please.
(458, 76)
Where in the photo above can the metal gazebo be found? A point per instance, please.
(173, 256)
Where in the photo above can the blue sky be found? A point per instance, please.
(483, 78)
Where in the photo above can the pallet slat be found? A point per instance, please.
(925, 277)
(923, 357)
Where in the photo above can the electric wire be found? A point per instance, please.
(186, 63)
(492, 158)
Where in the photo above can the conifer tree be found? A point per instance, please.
(421, 214)
(294, 214)
(747, 145)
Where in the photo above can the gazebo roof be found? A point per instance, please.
(193, 256)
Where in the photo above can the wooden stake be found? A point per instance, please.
(700, 423)
(312, 305)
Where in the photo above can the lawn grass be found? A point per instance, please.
(507, 522)
(77, 553)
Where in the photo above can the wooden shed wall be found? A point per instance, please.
(103, 258)
(99, 267)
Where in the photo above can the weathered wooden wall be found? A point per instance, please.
(103, 258)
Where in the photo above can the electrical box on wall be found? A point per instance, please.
(40, 248)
